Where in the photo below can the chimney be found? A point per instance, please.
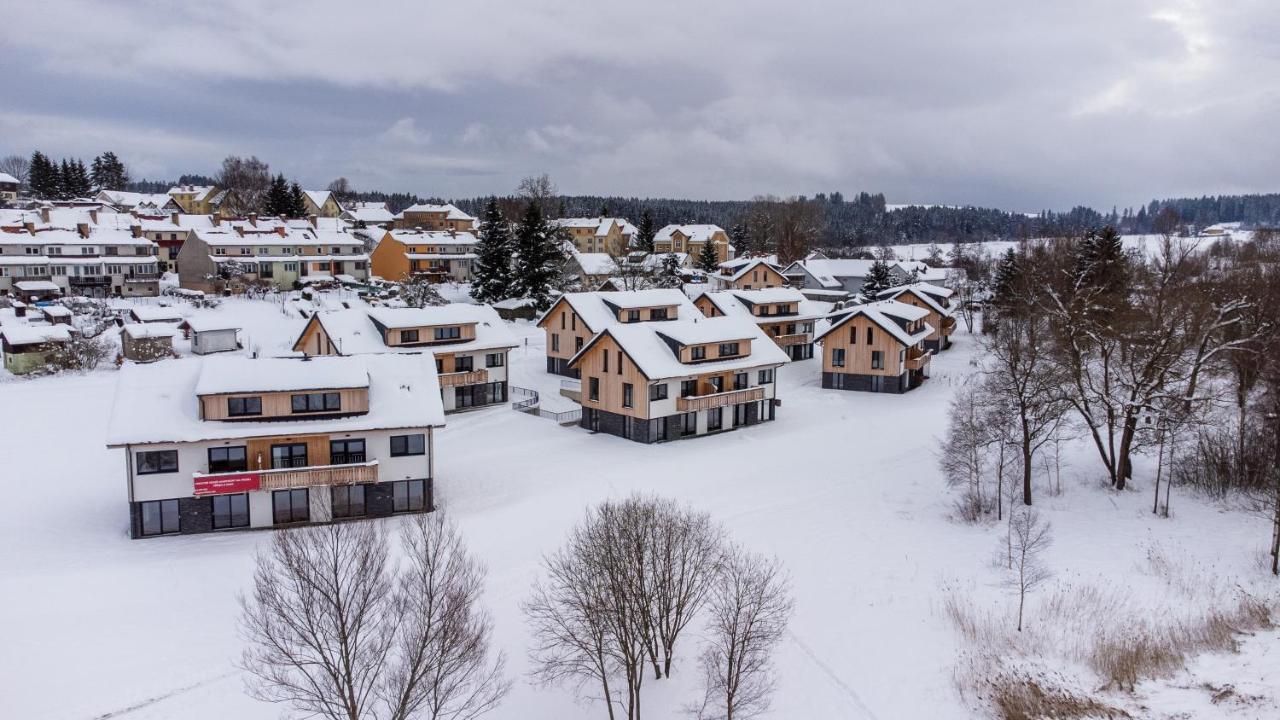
(253, 219)
(173, 218)
(281, 230)
(83, 229)
(93, 215)
(136, 230)
(239, 230)
(30, 226)
(217, 219)
(312, 219)
(44, 213)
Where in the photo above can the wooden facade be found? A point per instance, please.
(612, 369)
(943, 325)
(280, 404)
(852, 338)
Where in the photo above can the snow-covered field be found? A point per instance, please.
(843, 487)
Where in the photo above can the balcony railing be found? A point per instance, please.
(948, 325)
(286, 478)
(721, 399)
(142, 277)
(793, 339)
(473, 377)
(918, 362)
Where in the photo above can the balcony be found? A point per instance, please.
(916, 359)
(473, 377)
(948, 325)
(285, 478)
(142, 277)
(721, 399)
(793, 339)
(571, 389)
(88, 281)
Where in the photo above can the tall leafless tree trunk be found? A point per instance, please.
(1029, 537)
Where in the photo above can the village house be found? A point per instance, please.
(228, 443)
(27, 348)
(783, 314)
(146, 342)
(937, 301)
(436, 218)
(9, 187)
(210, 335)
(612, 236)
(877, 347)
(575, 318)
(654, 382)
(368, 214)
(591, 268)
(747, 274)
(690, 239)
(139, 203)
(201, 199)
(280, 257)
(89, 260)
(321, 203)
(844, 277)
(440, 256)
(470, 344)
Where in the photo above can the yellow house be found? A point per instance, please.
(690, 239)
(441, 255)
(598, 235)
(428, 217)
(321, 203)
(199, 199)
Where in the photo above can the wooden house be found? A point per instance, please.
(937, 301)
(783, 314)
(877, 347)
(747, 274)
(575, 318)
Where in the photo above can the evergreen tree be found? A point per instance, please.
(43, 177)
(668, 275)
(1008, 274)
(78, 184)
(278, 200)
(297, 201)
(1102, 272)
(878, 279)
(645, 232)
(493, 256)
(108, 173)
(708, 261)
(539, 258)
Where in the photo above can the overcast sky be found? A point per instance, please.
(1015, 104)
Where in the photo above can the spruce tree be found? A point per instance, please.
(708, 261)
(539, 258)
(493, 256)
(65, 180)
(297, 201)
(878, 279)
(278, 200)
(645, 232)
(668, 275)
(108, 173)
(42, 178)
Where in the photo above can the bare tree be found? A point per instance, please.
(341, 189)
(1029, 536)
(17, 166)
(336, 632)
(247, 180)
(81, 352)
(961, 455)
(797, 224)
(538, 189)
(750, 607)
(417, 291)
(682, 554)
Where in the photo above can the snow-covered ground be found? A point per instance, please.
(842, 486)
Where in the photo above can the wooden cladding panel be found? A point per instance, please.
(258, 450)
(857, 357)
(713, 352)
(427, 335)
(933, 318)
(564, 314)
(707, 307)
(280, 404)
(611, 382)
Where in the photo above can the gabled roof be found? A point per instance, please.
(318, 197)
(593, 308)
(695, 233)
(739, 270)
(882, 313)
(648, 346)
(925, 291)
(595, 263)
(740, 302)
(354, 331)
(451, 211)
(155, 313)
(431, 237)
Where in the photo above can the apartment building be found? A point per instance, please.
(236, 255)
(438, 218)
(783, 314)
(229, 443)
(470, 344)
(90, 260)
(937, 301)
(611, 236)
(655, 382)
(201, 199)
(747, 274)
(575, 318)
(443, 255)
(689, 239)
(877, 347)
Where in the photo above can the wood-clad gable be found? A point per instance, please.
(278, 405)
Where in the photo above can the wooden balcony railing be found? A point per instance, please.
(948, 325)
(722, 399)
(286, 478)
(916, 359)
(474, 377)
(793, 339)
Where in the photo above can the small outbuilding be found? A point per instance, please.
(516, 309)
(27, 348)
(56, 314)
(33, 290)
(209, 335)
(155, 314)
(146, 342)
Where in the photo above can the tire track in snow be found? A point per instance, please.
(835, 679)
(160, 698)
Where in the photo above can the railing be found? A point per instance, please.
(286, 478)
(142, 277)
(571, 384)
(472, 377)
(82, 280)
(346, 458)
(948, 325)
(793, 339)
(530, 406)
(291, 462)
(918, 362)
(721, 399)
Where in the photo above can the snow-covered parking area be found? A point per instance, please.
(843, 487)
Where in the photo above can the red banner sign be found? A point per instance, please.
(227, 484)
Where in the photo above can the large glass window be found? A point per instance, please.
(877, 360)
(160, 517)
(766, 376)
(448, 333)
(238, 406)
(228, 459)
(317, 402)
(688, 388)
(230, 511)
(408, 445)
(409, 495)
(156, 461)
(593, 389)
(740, 381)
(345, 452)
(494, 360)
(837, 357)
(463, 363)
(290, 506)
(690, 424)
(408, 336)
(292, 455)
(348, 501)
(715, 419)
(658, 392)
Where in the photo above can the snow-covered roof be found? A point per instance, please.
(158, 402)
(56, 311)
(737, 271)
(34, 334)
(595, 263)
(648, 348)
(318, 197)
(695, 233)
(7, 178)
(371, 214)
(209, 323)
(353, 331)
(125, 199)
(925, 291)
(155, 313)
(738, 303)
(200, 192)
(736, 263)
(601, 225)
(148, 330)
(98, 235)
(827, 271)
(37, 286)
(432, 237)
(882, 313)
(593, 308)
(451, 211)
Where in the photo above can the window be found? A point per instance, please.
(348, 501)
(715, 419)
(497, 392)
(115, 270)
(562, 323)
(717, 384)
(658, 392)
(689, 425)
(464, 396)
(317, 402)
(230, 511)
(439, 365)
(408, 445)
(606, 361)
(837, 357)
(573, 321)
(159, 517)
(577, 344)
(408, 495)
(877, 360)
(593, 389)
(555, 343)
(292, 455)
(495, 360)
(698, 352)
(345, 452)
(728, 349)
(766, 376)
(619, 362)
(740, 381)
(627, 398)
(266, 270)
(870, 335)
(633, 316)
(658, 314)
(688, 388)
(464, 363)
(408, 336)
(228, 459)
(290, 506)
(237, 407)
(448, 333)
(156, 461)
(112, 250)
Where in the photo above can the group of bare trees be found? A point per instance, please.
(619, 595)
